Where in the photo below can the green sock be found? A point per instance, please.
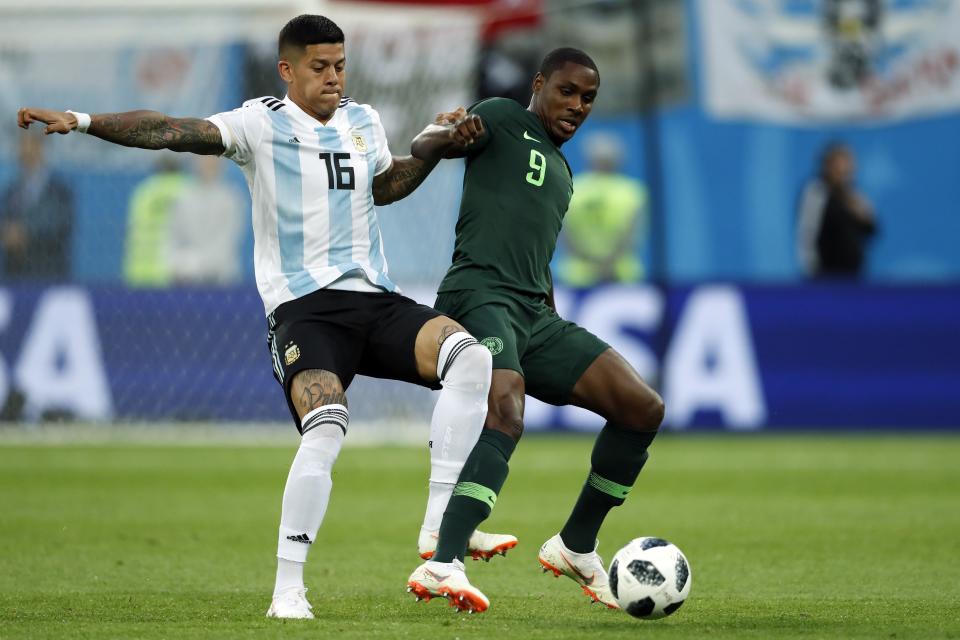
(618, 456)
(473, 498)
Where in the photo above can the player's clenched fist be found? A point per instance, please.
(450, 135)
(467, 130)
(56, 121)
(450, 117)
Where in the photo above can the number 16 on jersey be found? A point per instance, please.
(343, 178)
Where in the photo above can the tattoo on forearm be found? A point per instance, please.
(405, 176)
(314, 388)
(154, 130)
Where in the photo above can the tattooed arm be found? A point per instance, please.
(448, 137)
(142, 129)
(399, 181)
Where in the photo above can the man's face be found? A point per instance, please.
(840, 167)
(566, 98)
(315, 77)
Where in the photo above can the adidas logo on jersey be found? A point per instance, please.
(294, 140)
(304, 538)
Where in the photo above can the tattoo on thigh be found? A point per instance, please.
(317, 388)
(447, 331)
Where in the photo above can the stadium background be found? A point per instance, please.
(725, 325)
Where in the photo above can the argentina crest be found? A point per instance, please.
(291, 354)
(359, 143)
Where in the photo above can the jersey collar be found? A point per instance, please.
(300, 113)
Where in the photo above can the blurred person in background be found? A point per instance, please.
(145, 262)
(207, 224)
(36, 220)
(607, 220)
(835, 222)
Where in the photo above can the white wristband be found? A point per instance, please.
(83, 120)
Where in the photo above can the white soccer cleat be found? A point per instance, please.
(482, 546)
(586, 569)
(447, 580)
(291, 604)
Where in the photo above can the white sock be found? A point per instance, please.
(307, 492)
(464, 367)
(437, 500)
(289, 576)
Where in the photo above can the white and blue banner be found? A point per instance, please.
(731, 357)
(810, 61)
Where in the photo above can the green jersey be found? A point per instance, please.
(516, 190)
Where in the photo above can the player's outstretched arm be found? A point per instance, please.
(141, 129)
(450, 137)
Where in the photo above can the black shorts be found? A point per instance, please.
(347, 333)
(527, 336)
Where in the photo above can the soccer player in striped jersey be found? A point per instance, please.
(316, 163)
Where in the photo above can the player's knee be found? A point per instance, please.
(470, 368)
(644, 412)
(321, 442)
(655, 410)
(505, 414)
(511, 427)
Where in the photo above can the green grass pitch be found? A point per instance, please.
(806, 536)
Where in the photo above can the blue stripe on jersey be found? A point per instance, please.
(338, 204)
(360, 119)
(286, 169)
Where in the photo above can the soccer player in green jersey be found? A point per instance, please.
(516, 189)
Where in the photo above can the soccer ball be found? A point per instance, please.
(650, 578)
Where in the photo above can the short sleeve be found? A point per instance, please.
(384, 157)
(492, 112)
(240, 130)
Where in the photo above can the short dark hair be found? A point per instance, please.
(308, 29)
(558, 57)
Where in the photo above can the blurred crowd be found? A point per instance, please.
(667, 188)
(185, 224)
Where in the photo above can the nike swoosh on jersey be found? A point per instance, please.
(526, 136)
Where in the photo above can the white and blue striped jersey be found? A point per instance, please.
(313, 216)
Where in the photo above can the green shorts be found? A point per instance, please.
(526, 335)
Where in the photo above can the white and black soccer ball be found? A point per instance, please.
(650, 578)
